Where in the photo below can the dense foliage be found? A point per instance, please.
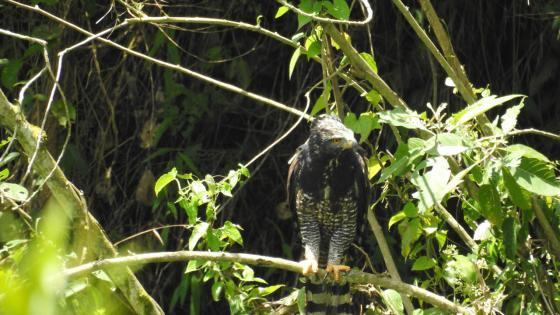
(465, 190)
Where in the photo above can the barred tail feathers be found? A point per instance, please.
(324, 298)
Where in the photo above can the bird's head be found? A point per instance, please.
(329, 135)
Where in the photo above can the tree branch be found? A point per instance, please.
(353, 276)
(317, 18)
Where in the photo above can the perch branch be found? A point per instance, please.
(551, 235)
(353, 276)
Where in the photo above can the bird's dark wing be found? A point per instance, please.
(363, 183)
(291, 185)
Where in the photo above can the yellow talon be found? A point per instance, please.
(336, 269)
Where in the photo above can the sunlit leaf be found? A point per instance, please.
(164, 180)
(399, 216)
(216, 290)
(537, 177)
(423, 263)
(460, 269)
(402, 118)
(338, 9)
(232, 232)
(370, 61)
(509, 119)
(393, 300)
(293, 61)
(362, 125)
(270, 289)
(373, 97)
(281, 11)
(449, 144)
(519, 196)
(516, 151)
(198, 232)
(480, 107)
(412, 232)
(432, 185)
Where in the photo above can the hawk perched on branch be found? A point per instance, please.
(328, 188)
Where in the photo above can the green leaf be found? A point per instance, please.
(312, 46)
(232, 232)
(213, 241)
(449, 144)
(480, 107)
(198, 232)
(9, 75)
(293, 61)
(432, 185)
(490, 204)
(194, 265)
(164, 180)
(519, 196)
(308, 6)
(4, 174)
(363, 125)
(510, 237)
(338, 9)
(216, 290)
(393, 300)
(537, 177)
(423, 263)
(322, 101)
(301, 301)
(399, 117)
(373, 97)
(270, 289)
(281, 11)
(509, 119)
(515, 151)
(410, 210)
(370, 61)
(460, 269)
(412, 232)
(13, 191)
(399, 216)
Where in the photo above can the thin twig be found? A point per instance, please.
(178, 68)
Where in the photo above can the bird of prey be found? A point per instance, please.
(328, 189)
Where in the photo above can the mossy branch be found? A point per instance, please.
(354, 276)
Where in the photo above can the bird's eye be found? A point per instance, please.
(336, 140)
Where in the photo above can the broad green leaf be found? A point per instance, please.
(232, 232)
(293, 61)
(281, 11)
(480, 107)
(370, 61)
(363, 125)
(199, 190)
(516, 151)
(411, 233)
(395, 168)
(198, 232)
(13, 191)
(460, 269)
(510, 237)
(423, 263)
(322, 101)
(270, 289)
(216, 290)
(410, 210)
(432, 185)
(374, 165)
(194, 265)
(312, 46)
(213, 242)
(393, 300)
(399, 216)
(4, 174)
(441, 237)
(449, 144)
(164, 180)
(308, 6)
(338, 9)
(490, 204)
(509, 120)
(301, 301)
(537, 177)
(519, 196)
(402, 118)
(373, 97)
